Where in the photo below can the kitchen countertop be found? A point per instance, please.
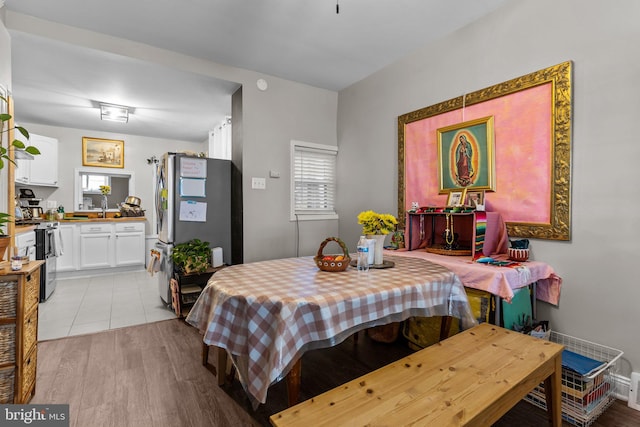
(25, 228)
(121, 219)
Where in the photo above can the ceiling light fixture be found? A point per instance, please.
(114, 113)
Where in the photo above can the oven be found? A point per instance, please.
(46, 241)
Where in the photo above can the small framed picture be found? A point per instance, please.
(474, 198)
(456, 197)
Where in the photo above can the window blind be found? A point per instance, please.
(314, 174)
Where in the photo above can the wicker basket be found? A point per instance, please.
(8, 343)
(7, 378)
(332, 265)
(8, 293)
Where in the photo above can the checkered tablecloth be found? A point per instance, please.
(267, 314)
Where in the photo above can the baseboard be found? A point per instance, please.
(622, 387)
(634, 393)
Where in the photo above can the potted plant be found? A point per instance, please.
(193, 256)
(17, 145)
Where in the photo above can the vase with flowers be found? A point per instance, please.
(104, 203)
(376, 226)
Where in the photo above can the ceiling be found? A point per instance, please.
(306, 41)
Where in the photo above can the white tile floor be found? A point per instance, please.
(92, 304)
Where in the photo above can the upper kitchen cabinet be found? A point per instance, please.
(43, 169)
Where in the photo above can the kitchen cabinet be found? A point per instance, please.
(22, 171)
(67, 261)
(43, 169)
(95, 245)
(20, 294)
(104, 245)
(130, 244)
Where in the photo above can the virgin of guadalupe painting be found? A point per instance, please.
(465, 155)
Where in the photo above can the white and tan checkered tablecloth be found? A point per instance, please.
(267, 314)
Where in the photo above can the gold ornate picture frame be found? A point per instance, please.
(104, 153)
(536, 206)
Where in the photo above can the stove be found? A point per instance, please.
(39, 223)
(48, 247)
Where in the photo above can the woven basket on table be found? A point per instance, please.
(332, 265)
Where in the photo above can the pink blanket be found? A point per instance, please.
(501, 281)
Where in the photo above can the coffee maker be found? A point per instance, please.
(30, 205)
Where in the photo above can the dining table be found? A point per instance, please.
(265, 315)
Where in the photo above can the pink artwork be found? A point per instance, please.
(523, 155)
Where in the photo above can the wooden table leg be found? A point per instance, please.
(553, 393)
(293, 383)
(205, 354)
(221, 365)
(445, 327)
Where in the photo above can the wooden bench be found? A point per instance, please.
(470, 379)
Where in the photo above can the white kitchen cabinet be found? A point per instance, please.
(67, 261)
(22, 171)
(96, 245)
(43, 168)
(130, 244)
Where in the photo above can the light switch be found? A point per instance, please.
(258, 183)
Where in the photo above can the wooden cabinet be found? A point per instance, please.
(186, 288)
(19, 297)
(427, 231)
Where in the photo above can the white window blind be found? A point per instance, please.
(314, 179)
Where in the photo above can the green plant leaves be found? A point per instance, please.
(24, 132)
(192, 256)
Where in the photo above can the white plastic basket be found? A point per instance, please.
(584, 397)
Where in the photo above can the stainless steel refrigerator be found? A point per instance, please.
(193, 201)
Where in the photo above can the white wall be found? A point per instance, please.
(137, 150)
(271, 119)
(600, 296)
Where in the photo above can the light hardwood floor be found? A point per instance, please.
(151, 375)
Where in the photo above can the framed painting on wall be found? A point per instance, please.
(531, 152)
(465, 155)
(104, 153)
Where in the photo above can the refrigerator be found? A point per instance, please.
(193, 201)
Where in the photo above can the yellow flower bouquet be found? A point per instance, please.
(376, 223)
(105, 189)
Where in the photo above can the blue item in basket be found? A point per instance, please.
(581, 364)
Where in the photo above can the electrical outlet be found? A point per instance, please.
(258, 183)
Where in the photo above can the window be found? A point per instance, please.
(313, 183)
(91, 183)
